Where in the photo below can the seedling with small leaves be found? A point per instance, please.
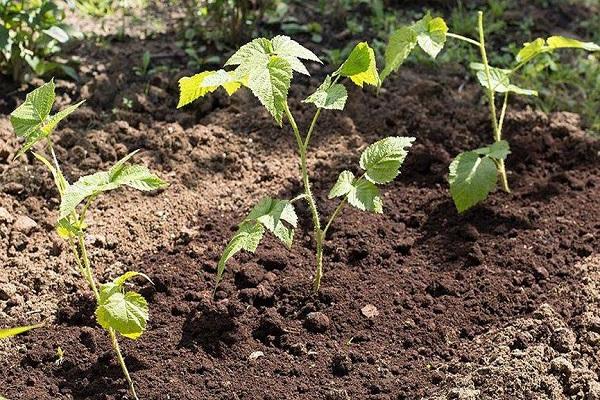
(474, 174)
(119, 310)
(266, 67)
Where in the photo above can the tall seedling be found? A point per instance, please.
(474, 174)
(119, 310)
(266, 67)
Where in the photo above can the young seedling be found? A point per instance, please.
(474, 174)
(119, 310)
(266, 67)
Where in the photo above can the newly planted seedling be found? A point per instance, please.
(119, 310)
(266, 67)
(474, 174)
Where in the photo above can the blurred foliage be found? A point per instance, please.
(31, 35)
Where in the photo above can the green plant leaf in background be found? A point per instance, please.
(431, 34)
(401, 42)
(10, 332)
(499, 80)
(329, 96)
(361, 66)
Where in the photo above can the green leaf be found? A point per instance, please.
(257, 48)
(30, 115)
(59, 179)
(247, 238)
(499, 150)
(270, 213)
(120, 281)
(361, 66)
(292, 52)
(66, 230)
(135, 176)
(471, 178)
(531, 50)
(57, 33)
(125, 312)
(399, 46)
(270, 84)
(190, 88)
(499, 80)
(364, 195)
(329, 96)
(382, 160)
(431, 34)
(561, 42)
(343, 186)
(10, 332)
(222, 78)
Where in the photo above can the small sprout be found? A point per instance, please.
(266, 67)
(118, 310)
(60, 356)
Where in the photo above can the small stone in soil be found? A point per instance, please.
(563, 340)
(316, 322)
(369, 311)
(255, 355)
(24, 224)
(5, 216)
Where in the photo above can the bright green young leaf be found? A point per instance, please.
(190, 88)
(120, 281)
(292, 52)
(257, 48)
(560, 42)
(247, 238)
(399, 46)
(272, 214)
(499, 150)
(124, 311)
(382, 160)
(531, 50)
(431, 34)
(270, 84)
(222, 78)
(471, 178)
(329, 96)
(343, 186)
(364, 195)
(135, 176)
(10, 332)
(67, 230)
(361, 66)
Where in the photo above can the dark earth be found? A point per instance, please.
(417, 303)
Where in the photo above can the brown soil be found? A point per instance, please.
(499, 303)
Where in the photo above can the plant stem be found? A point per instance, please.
(491, 99)
(338, 209)
(308, 193)
(115, 345)
(463, 38)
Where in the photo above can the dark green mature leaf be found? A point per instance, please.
(329, 96)
(471, 178)
(499, 150)
(364, 195)
(361, 66)
(343, 186)
(431, 34)
(270, 83)
(399, 46)
(382, 160)
(124, 311)
(135, 176)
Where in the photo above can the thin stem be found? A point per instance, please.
(463, 38)
(309, 197)
(115, 345)
(492, 101)
(502, 115)
(311, 128)
(338, 209)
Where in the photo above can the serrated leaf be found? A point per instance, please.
(257, 48)
(431, 34)
(30, 115)
(471, 178)
(125, 312)
(10, 332)
(270, 213)
(120, 281)
(499, 80)
(135, 176)
(247, 238)
(190, 88)
(531, 50)
(361, 66)
(292, 52)
(561, 42)
(365, 196)
(222, 78)
(52, 122)
(382, 160)
(329, 96)
(401, 42)
(270, 84)
(343, 186)
(498, 150)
